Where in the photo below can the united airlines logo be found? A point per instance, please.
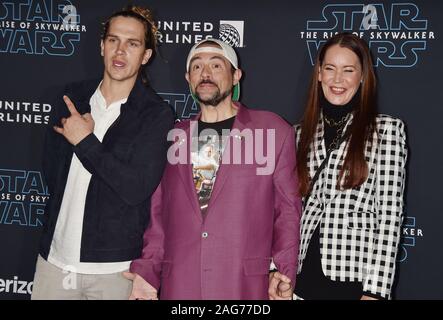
(232, 32)
(410, 234)
(24, 112)
(191, 32)
(23, 197)
(396, 33)
(40, 27)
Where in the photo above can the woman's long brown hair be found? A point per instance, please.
(354, 169)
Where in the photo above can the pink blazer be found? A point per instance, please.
(251, 219)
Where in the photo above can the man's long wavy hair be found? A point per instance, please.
(145, 16)
(355, 169)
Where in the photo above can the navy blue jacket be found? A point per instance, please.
(126, 168)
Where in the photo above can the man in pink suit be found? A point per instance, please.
(228, 203)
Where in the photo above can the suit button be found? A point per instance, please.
(204, 235)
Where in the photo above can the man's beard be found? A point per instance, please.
(216, 98)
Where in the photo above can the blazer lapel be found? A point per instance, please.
(225, 167)
(341, 152)
(185, 170)
(319, 150)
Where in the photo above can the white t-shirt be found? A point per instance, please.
(65, 246)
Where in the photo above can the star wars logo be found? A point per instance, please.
(395, 33)
(183, 104)
(41, 27)
(410, 233)
(23, 197)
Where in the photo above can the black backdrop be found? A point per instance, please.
(276, 41)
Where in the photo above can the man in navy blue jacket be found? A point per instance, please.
(104, 156)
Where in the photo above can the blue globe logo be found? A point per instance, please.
(230, 35)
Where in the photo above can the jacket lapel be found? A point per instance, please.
(341, 153)
(318, 153)
(185, 170)
(225, 168)
(319, 150)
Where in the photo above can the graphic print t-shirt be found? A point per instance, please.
(206, 157)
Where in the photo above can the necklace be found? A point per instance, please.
(340, 126)
(332, 123)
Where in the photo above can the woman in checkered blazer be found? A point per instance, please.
(350, 227)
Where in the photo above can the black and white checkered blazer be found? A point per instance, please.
(359, 227)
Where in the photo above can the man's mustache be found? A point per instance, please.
(207, 82)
